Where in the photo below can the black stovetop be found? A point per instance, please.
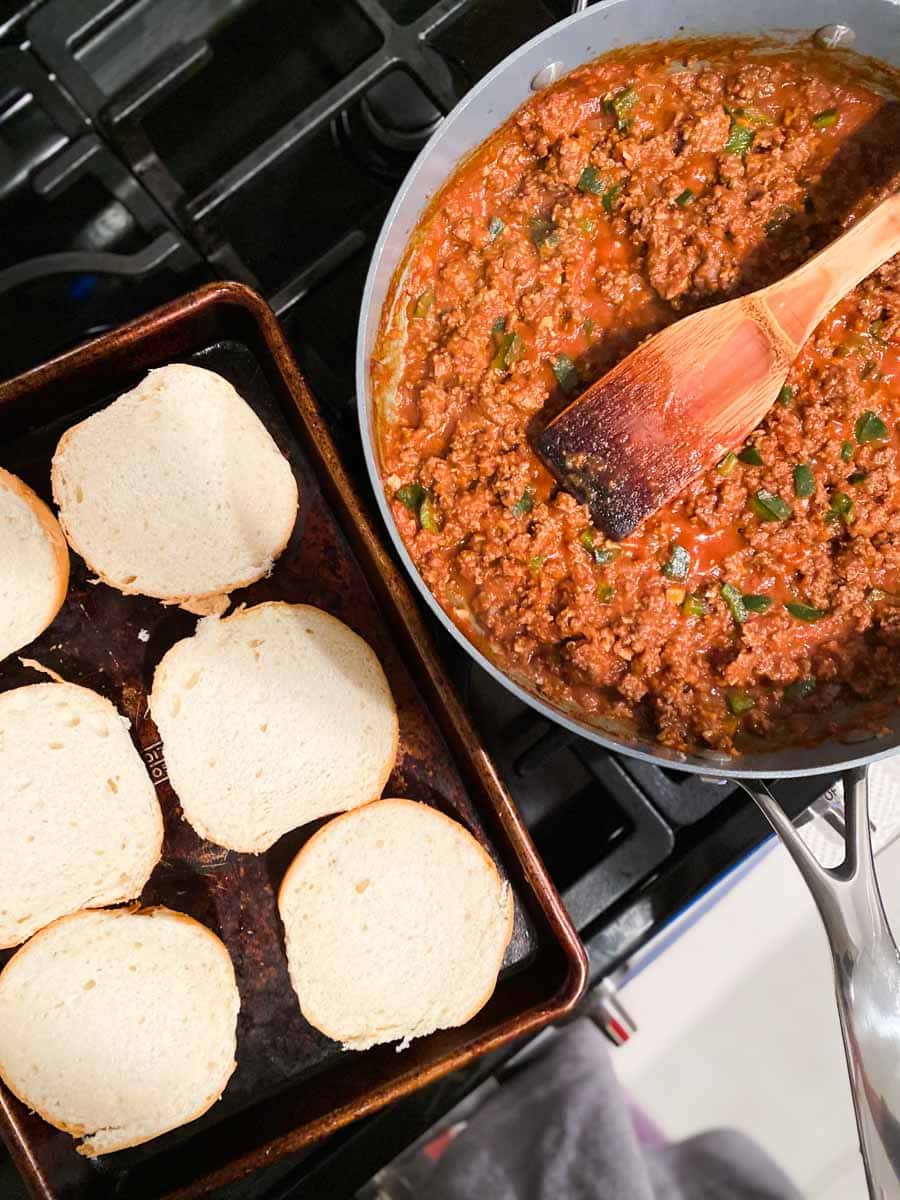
(149, 145)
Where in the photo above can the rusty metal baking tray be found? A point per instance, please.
(292, 1085)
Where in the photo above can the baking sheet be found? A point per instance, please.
(292, 1084)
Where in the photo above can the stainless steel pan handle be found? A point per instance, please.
(866, 973)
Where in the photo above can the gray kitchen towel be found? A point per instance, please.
(561, 1129)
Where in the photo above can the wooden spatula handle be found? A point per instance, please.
(798, 302)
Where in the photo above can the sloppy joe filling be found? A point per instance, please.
(635, 191)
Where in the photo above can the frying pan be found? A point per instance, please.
(866, 959)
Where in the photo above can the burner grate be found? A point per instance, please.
(598, 832)
(209, 104)
(611, 827)
(90, 245)
(274, 146)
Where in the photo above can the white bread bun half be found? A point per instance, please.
(176, 490)
(119, 1026)
(81, 823)
(34, 565)
(270, 718)
(396, 922)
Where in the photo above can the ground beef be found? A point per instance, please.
(628, 195)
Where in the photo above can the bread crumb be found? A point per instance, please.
(36, 666)
(205, 606)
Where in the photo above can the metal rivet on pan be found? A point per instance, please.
(545, 75)
(832, 36)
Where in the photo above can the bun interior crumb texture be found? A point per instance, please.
(119, 1026)
(34, 565)
(396, 922)
(270, 718)
(81, 823)
(176, 490)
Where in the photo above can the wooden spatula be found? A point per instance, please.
(678, 403)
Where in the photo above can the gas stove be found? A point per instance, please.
(149, 145)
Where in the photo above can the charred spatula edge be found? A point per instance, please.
(675, 405)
